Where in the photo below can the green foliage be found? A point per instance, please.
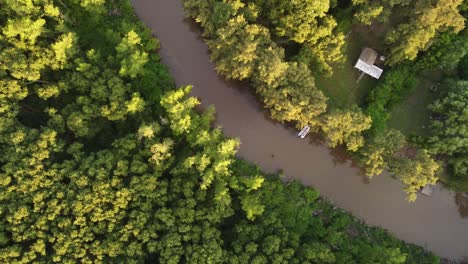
(449, 129)
(446, 52)
(426, 22)
(415, 173)
(321, 54)
(463, 68)
(380, 149)
(213, 14)
(133, 59)
(294, 97)
(368, 11)
(312, 27)
(27, 49)
(391, 90)
(345, 127)
(237, 46)
(309, 25)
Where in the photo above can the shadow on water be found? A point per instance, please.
(316, 140)
(461, 199)
(340, 156)
(194, 27)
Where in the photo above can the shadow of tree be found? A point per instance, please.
(461, 199)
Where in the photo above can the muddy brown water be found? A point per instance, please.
(432, 222)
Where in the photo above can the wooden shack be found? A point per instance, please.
(366, 63)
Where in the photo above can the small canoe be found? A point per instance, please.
(304, 132)
(427, 190)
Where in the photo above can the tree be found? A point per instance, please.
(294, 97)
(100, 94)
(379, 254)
(271, 68)
(91, 3)
(380, 149)
(27, 49)
(252, 206)
(213, 15)
(68, 194)
(449, 129)
(345, 127)
(459, 169)
(446, 52)
(321, 54)
(415, 173)
(367, 11)
(397, 83)
(410, 38)
(463, 68)
(132, 57)
(311, 26)
(308, 25)
(236, 46)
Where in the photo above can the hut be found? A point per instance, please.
(366, 62)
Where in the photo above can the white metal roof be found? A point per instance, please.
(372, 70)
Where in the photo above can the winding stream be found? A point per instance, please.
(432, 222)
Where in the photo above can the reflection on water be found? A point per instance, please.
(461, 199)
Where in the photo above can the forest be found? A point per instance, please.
(105, 161)
(296, 54)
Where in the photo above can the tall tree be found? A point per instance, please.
(446, 52)
(449, 129)
(345, 127)
(294, 97)
(368, 11)
(298, 20)
(132, 57)
(415, 173)
(380, 149)
(430, 19)
(320, 55)
(27, 48)
(236, 47)
(307, 22)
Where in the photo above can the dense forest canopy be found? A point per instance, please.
(104, 161)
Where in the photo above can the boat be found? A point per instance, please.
(427, 190)
(304, 132)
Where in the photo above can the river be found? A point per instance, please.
(432, 222)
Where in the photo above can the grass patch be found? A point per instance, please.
(341, 87)
(412, 116)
